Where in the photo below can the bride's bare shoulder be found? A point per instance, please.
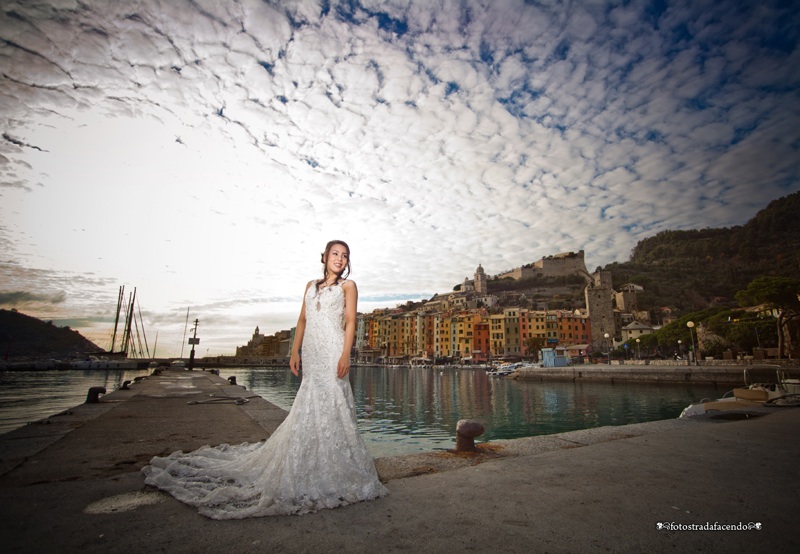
(348, 285)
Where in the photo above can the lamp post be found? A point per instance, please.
(638, 349)
(193, 341)
(690, 325)
(679, 349)
(608, 350)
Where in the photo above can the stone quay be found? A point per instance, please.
(72, 483)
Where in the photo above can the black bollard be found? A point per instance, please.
(94, 395)
(125, 385)
(232, 379)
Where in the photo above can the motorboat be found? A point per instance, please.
(783, 391)
(504, 369)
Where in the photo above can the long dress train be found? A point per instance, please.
(316, 458)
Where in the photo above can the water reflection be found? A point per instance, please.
(403, 410)
(27, 396)
(400, 411)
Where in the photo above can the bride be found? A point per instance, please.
(316, 459)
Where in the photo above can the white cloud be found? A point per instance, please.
(206, 151)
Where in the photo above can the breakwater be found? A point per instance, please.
(677, 374)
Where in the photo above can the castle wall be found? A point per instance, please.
(561, 265)
(558, 265)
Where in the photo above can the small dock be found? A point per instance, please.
(72, 483)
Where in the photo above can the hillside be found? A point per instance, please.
(25, 336)
(684, 270)
(697, 269)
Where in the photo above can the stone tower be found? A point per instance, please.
(480, 280)
(599, 303)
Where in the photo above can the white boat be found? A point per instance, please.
(504, 370)
(177, 363)
(93, 362)
(784, 391)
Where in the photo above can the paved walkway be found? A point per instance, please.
(73, 484)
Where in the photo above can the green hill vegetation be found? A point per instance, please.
(698, 269)
(715, 278)
(685, 271)
(23, 336)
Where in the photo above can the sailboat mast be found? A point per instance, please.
(128, 321)
(144, 335)
(186, 326)
(116, 321)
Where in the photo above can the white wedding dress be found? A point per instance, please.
(316, 459)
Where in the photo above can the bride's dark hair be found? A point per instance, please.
(345, 272)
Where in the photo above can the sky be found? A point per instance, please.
(204, 151)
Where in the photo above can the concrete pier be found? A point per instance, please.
(708, 485)
(659, 374)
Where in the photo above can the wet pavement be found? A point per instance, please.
(72, 483)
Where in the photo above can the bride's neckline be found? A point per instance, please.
(336, 283)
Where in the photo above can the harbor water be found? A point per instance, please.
(400, 410)
(28, 396)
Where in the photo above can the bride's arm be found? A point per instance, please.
(350, 310)
(294, 361)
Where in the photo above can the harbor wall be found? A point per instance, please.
(713, 375)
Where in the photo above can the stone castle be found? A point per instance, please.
(556, 265)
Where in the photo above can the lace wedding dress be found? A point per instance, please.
(316, 458)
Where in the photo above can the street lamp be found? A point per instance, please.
(638, 349)
(608, 350)
(690, 325)
(679, 349)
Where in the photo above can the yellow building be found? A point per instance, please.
(441, 345)
(461, 333)
(511, 332)
(497, 337)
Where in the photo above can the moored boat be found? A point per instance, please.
(504, 369)
(93, 362)
(784, 390)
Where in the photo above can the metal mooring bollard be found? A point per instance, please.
(232, 379)
(466, 431)
(94, 395)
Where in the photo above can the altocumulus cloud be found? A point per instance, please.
(430, 135)
(14, 298)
